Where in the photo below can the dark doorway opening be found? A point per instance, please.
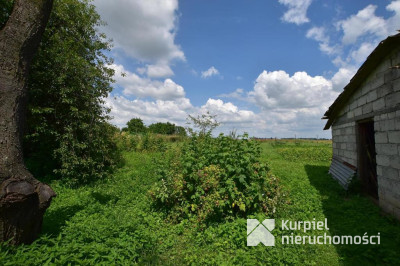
(367, 158)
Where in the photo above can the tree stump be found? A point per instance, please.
(22, 206)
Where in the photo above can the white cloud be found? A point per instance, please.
(212, 71)
(159, 71)
(279, 90)
(342, 78)
(237, 94)
(177, 111)
(292, 104)
(144, 30)
(361, 54)
(318, 34)
(297, 12)
(228, 113)
(122, 110)
(141, 70)
(133, 84)
(393, 23)
(364, 22)
(360, 34)
(288, 105)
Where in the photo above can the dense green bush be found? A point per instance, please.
(135, 126)
(162, 128)
(67, 131)
(151, 142)
(167, 129)
(211, 178)
(126, 141)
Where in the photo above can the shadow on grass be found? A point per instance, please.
(354, 214)
(103, 198)
(55, 219)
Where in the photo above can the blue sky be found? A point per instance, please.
(269, 68)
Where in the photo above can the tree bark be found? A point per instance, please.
(23, 199)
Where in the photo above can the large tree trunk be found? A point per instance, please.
(23, 199)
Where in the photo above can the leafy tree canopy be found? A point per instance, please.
(68, 133)
(135, 126)
(181, 131)
(162, 128)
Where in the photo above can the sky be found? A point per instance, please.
(270, 68)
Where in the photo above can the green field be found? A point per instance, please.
(114, 221)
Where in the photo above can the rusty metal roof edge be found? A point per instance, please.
(372, 61)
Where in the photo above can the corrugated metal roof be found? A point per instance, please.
(342, 172)
(373, 60)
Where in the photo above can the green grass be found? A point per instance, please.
(114, 222)
(314, 194)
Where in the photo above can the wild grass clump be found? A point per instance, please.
(147, 142)
(212, 178)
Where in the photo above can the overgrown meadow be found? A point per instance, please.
(153, 195)
(160, 207)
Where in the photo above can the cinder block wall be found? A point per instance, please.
(377, 98)
(387, 145)
(344, 142)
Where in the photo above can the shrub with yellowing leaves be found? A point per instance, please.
(212, 178)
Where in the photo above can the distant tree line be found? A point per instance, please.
(136, 126)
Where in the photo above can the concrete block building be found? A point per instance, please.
(365, 122)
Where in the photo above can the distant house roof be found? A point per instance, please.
(374, 59)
